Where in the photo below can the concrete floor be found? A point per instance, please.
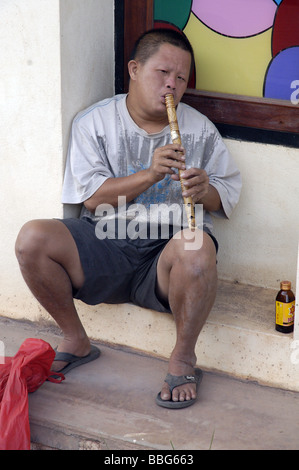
(109, 404)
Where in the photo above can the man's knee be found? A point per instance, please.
(196, 245)
(199, 262)
(30, 241)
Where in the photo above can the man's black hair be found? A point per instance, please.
(150, 41)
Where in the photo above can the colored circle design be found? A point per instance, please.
(236, 18)
(282, 71)
(173, 11)
(229, 65)
(286, 26)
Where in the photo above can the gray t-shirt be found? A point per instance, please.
(105, 143)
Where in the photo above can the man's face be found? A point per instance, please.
(167, 71)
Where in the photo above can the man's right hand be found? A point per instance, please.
(165, 160)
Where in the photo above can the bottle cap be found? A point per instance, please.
(285, 285)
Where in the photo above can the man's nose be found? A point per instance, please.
(171, 83)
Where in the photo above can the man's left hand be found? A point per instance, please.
(196, 183)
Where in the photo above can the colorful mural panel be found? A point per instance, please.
(235, 18)
(246, 47)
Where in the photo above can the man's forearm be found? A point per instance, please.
(128, 186)
(132, 186)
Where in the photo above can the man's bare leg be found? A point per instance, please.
(50, 264)
(189, 280)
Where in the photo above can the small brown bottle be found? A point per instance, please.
(285, 308)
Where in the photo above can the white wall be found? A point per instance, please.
(87, 60)
(87, 55)
(56, 57)
(259, 244)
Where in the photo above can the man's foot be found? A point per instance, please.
(79, 349)
(179, 391)
(187, 391)
(73, 361)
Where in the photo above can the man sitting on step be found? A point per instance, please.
(122, 164)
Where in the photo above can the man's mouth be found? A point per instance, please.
(163, 97)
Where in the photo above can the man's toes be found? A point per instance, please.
(178, 394)
(165, 393)
(184, 394)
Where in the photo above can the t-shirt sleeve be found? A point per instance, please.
(87, 167)
(223, 174)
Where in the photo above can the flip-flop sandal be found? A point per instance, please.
(75, 361)
(174, 381)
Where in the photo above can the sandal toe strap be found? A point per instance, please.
(175, 380)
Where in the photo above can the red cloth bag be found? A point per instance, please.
(23, 373)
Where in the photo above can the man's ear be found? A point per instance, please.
(132, 68)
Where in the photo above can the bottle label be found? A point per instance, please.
(285, 313)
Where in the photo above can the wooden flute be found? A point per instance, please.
(176, 139)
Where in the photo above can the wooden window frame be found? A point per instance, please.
(236, 115)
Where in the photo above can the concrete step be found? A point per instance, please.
(239, 337)
(109, 404)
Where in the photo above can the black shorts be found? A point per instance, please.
(117, 270)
